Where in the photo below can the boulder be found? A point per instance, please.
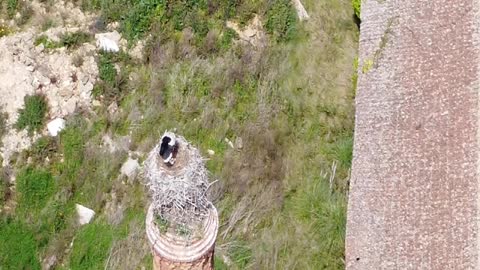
(55, 126)
(108, 41)
(85, 215)
(130, 168)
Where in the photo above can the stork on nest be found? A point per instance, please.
(168, 148)
(179, 193)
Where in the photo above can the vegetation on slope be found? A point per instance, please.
(287, 106)
(32, 116)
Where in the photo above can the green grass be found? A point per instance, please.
(17, 246)
(357, 5)
(32, 115)
(91, 247)
(34, 186)
(12, 6)
(106, 69)
(72, 145)
(3, 191)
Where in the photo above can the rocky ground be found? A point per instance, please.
(66, 77)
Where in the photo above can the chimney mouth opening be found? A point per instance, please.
(177, 248)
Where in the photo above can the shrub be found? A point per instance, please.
(44, 147)
(32, 116)
(281, 20)
(4, 30)
(47, 43)
(91, 247)
(139, 18)
(35, 186)
(73, 40)
(227, 38)
(357, 4)
(18, 248)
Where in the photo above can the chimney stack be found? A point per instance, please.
(181, 223)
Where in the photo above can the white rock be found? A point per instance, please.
(85, 215)
(55, 126)
(229, 143)
(210, 152)
(130, 168)
(301, 12)
(239, 142)
(108, 41)
(108, 45)
(70, 106)
(96, 103)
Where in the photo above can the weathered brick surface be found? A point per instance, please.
(414, 194)
(204, 263)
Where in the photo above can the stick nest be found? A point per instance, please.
(179, 192)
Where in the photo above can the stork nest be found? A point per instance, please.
(179, 192)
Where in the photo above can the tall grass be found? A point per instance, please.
(17, 246)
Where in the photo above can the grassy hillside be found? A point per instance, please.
(288, 104)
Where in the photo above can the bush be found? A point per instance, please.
(18, 248)
(32, 116)
(91, 247)
(44, 147)
(69, 40)
(357, 4)
(35, 186)
(4, 30)
(73, 40)
(281, 20)
(47, 43)
(227, 38)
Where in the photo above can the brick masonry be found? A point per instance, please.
(414, 192)
(204, 263)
